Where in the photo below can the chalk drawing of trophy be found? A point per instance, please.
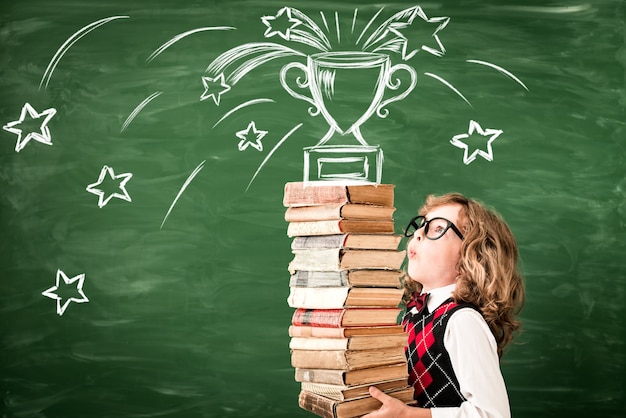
(338, 82)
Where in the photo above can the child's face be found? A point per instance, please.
(433, 262)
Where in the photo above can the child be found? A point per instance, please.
(462, 258)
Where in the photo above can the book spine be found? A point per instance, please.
(332, 377)
(313, 213)
(313, 228)
(304, 343)
(324, 407)
(299, 194)
(321, 332)
(318, 317)
(304, 278)
(318, 297)
(318, 241)
(327, 359)
(317, 260)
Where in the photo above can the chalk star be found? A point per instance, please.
(243, 135)
(441, 23)
(281, 19)
(102, 201)
(474, 127)
(216, 83)
(51, 293)
(42, 136)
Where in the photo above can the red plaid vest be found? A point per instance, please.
(430, 368)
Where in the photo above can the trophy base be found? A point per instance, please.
(343, 163)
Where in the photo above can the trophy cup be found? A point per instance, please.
(335, 80)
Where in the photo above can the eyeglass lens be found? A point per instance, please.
(434, 228)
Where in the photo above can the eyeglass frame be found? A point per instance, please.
(426, 223)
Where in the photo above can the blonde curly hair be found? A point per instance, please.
(488, 274)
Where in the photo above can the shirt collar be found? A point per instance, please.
(439, 295)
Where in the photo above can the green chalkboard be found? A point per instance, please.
(144, 150)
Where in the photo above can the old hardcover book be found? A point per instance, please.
(345, 392)
(320, 193)
(347, 359)
(337, 259)
(331, 408)
(353, 377)
(343, 332)
(352, 317)
(341, 278)
(363, 342)
(343, 297)
(347, 241)
(340, 226)
(338, 211)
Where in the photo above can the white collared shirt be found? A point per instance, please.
(474, 356)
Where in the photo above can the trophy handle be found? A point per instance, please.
(381, 111)
(313, 111)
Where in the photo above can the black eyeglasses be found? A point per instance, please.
(433, 229)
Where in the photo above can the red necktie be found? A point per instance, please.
(418, 301)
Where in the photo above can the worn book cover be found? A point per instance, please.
(352, 317)
(320, 193)
(351, 278)
(343, 297)
(331, 259)
(347, 359)
(343, 332)
(353, 377)
(339, 211)
(331, 408)
(347, 241)
(340, 226)
(361, 342)
(347, 392)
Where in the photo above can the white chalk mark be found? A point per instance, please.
(286, 12)
(337, 25)
(182, 189)
(52, 292)
(241, 106)
(474, 127)
(368, 25)
(449, 86)
(260, 52)
(324, 21)
(267, 157)
(69, 42)
(102, 201)
(181, 36)
(354, 20)
(500, 69)
(214, 87)
(243, 135)
(42, 136)
(139, 108)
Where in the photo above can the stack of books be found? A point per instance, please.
(345, 288)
